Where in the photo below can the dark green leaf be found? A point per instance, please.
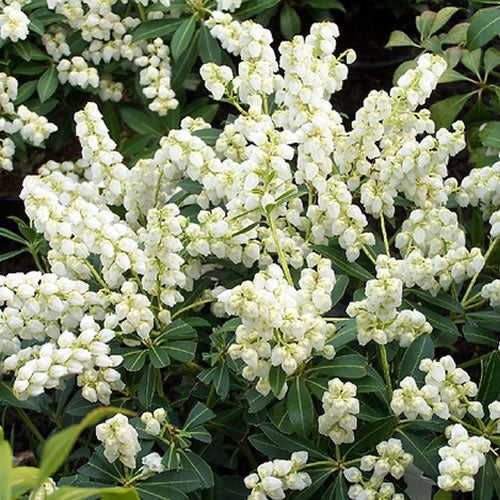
(208, 135)
(182, 37)
(112, 121)
(415, 444)
(422, 347)
(476, 334)
(277, 379)
(484, 25)
(183, 480)
(370, 434)
(155, 28)
(146, 390)
(170, 459)
(184, 65)
(135, 144)
(25, 91)
(337, 490)
(346, 332)
(300, 407)
(490, 135)
(36, 26)
(340, 264)
(30, 68)
(339, 289)
(141, 122)
(438, 321)
(11, 254)
(7, 233)
(257, 401)
(134, 360)
(442, 300)
(254, 7)
(344, 366)
(177, 330)
(490, 375)
(42, 108)
(483, 484)
(221, 380)
(192, 461)
(159, 356)
(289, 21)
(199, 415)
(326, 4)
(23, 49)
(181, 350)
(445, 111)
(263, 444)
(210, 50)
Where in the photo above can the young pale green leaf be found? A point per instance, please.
(182, 37)
(155, 28)
(193, 462)
(484, 26)
(210, 50)
(456, 35)
(442, 17)
(146, 390)
(47, 84)
(450, 76)
(300, 407)
(277, 379)
(422, 347)
(340, 264)
(290, 23)
(58, 447)
(199, 415)
(444, 112)
(6, 468)
(22, 479)
(399, 39)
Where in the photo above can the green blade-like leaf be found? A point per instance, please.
(112, 121)
(155, 28)
(289, 21)
(344, 366)
(339, 289)
(210, 50)
(192, 461)
(159, 356)
(183, 480)
(484, 25)
(47, 84)
(6, 468)
(182, 37)
(416, 444)
(370, 434)
(117, 493)
(277, 379)
(254, 7)
(181, 350)
(340, 264)
(25, 91)
(490, 375)
(133, 361)
(419, 349)
(12, 253)
(208, 135)
(147, 386)
(300, 407)
(445, 111)
(140, 122)
(400, 39)
(184, 65)
(442, 17)
(346, 332)
(198, 416)
(442, 300)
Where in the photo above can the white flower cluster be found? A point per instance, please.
(491, 291)
(47, 487)
(154, 421)
(56, 44)
(86, 355)
(446, 391)
(494, 409)
(156, 77)
(392, 460)
(230, 5)
(13, 22)
(151, 465)
(216, 79)
(340, 406)
(461, 459)
(120, 440)
(77, 73)
(274, 478)
(31, 126)
(281, 326)
(110, 90)
(378, 319)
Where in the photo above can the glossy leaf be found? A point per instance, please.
(182, 37)
(277, 379)
(47, 84)
(422, 347)
(300, 407)
(146, 390)
(210, 50)
(484, 25)
(444, 112)
(155, 28)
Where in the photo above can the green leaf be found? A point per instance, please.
(326, 4)
(490, 375)
(483, 485)
(201, 434)
(210, 50)
(10, 235)
(208, 135)
(134, 360)
(277, 379)
(22, 479)
(257, 401)
(370, 434)
(263, 444)
(207, 112)
(184, 65)
(339, 288)
(438, 321)
(111, 493)
(471, 59)
(6, 468)
(484, 25)
(444, 112)
(221, 380)
(30, 68)
(399, 39)
(457, 35)
(25, 91)
(424, 23)
(11, 254)
(289, 21)
(300, 407)
(159, 356)
(198, 416)
(192, 461)
(170, 459)
(112, 121)
(344, 366)
(340, 264)
(146, 390)
(254, 7)
(278, 415)
(182, 37)
(442, 17)
(337, 490)
(23, 49)
(491, 59)
(58, 446)
(42, 108)
(155, 28)
(177, 330)
(135, 144)
(293, 443)
(183, 480)
(346, 332)
(47, 84)
(36, 26)
(422, 347)
(442, 299)
(181, 350)
(416, 444)
(141, 122)
(490, 135)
